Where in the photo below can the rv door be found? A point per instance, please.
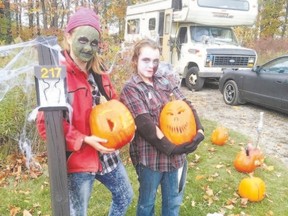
(166, 50)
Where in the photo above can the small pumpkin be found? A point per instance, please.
(252, 188)
(177, 122)
(219, 136)
(112, 121)
(244, 161)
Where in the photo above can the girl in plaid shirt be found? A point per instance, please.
(156, 160)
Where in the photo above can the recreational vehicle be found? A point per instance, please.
(196, 36)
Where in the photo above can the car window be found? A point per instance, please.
(277, 66)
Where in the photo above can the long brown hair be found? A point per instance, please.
(137, 49)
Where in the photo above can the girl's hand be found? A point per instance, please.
(95, 142)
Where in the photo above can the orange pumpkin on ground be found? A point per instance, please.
(112, 121)
(252, 188)
(244, 161)
(219, 136)
(177, 122)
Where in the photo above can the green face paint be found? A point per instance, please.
(85, 42)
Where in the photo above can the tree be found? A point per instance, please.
(31, 17)
(7, 15)
(270, 17)
(45, 19)
(284, 27)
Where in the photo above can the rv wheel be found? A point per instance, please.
(192, 80)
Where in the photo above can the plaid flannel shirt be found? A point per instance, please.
(141, 98)
(109, 161)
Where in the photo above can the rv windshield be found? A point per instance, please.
(212, 34)
(225, 4)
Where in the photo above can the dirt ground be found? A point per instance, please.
(244, 119)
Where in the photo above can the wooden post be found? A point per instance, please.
(55, 136)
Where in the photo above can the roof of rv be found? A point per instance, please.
(155, 5)
(214, 13)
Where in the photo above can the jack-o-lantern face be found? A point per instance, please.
(177, 122)
(114, 122)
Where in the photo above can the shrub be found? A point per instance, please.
(269, 48)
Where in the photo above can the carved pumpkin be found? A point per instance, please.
(177, 122)
(252, 188)
(219, 136)
(244, 162)
(114, 122)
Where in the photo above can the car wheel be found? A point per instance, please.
(231, 93)
(192, 79)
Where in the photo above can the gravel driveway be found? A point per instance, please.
(244, 119)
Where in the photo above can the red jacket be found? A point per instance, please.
(82, 157)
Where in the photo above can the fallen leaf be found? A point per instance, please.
(14, 210)
(231, 201)
(209, 191)
(26, 213)
(192, 164)
(270, 213)
(219, 166)
(269, 168)
(197, 158)
(24, 192)
(199, 177)
(36, 205)
(278, 175)
(243, 202)
(193, 203)
(210, 179)
(212, 149)
(229, 207)
(229, 171)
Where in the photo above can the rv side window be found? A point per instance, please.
(152, 24)
(161, 24)
(183, 35)
(177, 5)
(133, 26)
(225, 4)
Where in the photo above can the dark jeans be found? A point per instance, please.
(172, 188)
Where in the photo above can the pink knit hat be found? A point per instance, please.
(83, 17)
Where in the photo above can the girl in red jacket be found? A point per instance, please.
(87, 159)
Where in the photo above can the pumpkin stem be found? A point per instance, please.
(102, 99)
(172, 97)
(247, 151)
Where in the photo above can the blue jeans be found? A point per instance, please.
(80, 186)
(172, 190)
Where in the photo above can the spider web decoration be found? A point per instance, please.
(17, 71)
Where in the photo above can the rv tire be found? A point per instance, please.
(192, 79)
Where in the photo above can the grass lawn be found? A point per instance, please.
(212, 183)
